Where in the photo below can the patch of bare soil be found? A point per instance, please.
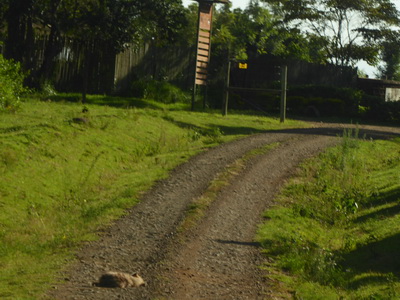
(218, 258)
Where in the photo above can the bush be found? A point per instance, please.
(316, 106)
(375, 108)
(160, 91)
(11, 84)
(327, 100)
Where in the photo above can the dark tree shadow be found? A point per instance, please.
(338, 131)
(381, 256)
(119, 102)
(124, 102)
(250, 244)
(383, 198)
(380, 214)
(226, 130)
(234, 130)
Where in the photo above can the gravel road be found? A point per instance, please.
(217, 259)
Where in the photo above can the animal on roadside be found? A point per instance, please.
(119, 279)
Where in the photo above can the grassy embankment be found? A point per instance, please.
(335, 231)
(65, 173)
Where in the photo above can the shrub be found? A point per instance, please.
(316, 106)
(314, 263)
(377, 109)
(160, 91)
(11, 84)
(328, 100)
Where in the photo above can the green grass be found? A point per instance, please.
(335, 231)
(65, 173)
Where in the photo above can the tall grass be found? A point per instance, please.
(336, 228)
(66, 170)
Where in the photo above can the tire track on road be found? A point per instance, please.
(220, 259)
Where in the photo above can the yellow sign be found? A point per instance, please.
(242, 65)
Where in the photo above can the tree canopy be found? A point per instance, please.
(347, 31)
(340, 32)
(115, 23)
(256, 30)
(390, 56)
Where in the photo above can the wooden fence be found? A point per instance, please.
(170, 63)
(265, 69)
(109, 72)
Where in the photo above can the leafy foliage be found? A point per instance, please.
(11, 85)
(160, 91)
(344, 28)
(378, 109)
(257, 30)
(115, 23)
(390, 56)
(328, 100)
(120, 22)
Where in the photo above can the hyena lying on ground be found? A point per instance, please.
(119, 279)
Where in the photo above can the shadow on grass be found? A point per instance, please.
(124, 102)
(324, 131)
(226, 130)
(234, 130)
(390, 196)
(181, 124)
(105, 100)
(338, 131)
(370, 279)
(377, 256)
(380, 214)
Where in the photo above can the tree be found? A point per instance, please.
(119, 22)
(187, 34)
(343, 28)
(112, 22)
(11, 85)
(390, 55)
(259, 30)
(19, 23)
(247, 32)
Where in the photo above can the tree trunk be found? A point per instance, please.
(53, 47)
(16, 29)
(86, 68)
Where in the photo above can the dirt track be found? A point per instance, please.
(218, 259)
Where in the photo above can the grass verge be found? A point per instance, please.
(67, 169)
(335, 233)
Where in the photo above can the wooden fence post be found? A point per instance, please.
(283, 92)
(226, 93)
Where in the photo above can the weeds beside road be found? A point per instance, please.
(335, 231)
